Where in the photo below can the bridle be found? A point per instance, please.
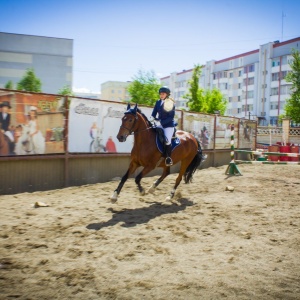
(130, 131)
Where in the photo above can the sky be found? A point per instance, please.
(114, 39)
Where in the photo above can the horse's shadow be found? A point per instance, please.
(133, 217)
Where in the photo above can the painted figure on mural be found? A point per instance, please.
(5, 126)
(110, 145)
(204, 137)
(35, 134)
(96, 143)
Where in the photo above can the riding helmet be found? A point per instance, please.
(164, 89)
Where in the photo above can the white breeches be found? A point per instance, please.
(168, 133)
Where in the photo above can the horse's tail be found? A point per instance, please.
(195, 163)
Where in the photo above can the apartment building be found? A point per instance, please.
(252, 82)
(115, 91)
(51, 58)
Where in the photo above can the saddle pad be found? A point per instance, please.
(175, 142)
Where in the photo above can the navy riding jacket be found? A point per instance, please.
(166, 118)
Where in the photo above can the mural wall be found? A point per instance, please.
(32, 124)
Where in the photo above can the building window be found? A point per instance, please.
(231, 74)
(239, 98)
(274, 91)
(230, 99)
(250, 94)
(285, 90)
(275, 63)
(283, 74)
(275, 76)
(273, 106)
(240, 85)
(249, 69)
(249, 81)
(240, 73)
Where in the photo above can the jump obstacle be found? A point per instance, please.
(233, 169)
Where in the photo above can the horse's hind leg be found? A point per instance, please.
(165, 173)
(183, 167)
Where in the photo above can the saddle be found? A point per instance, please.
(161, 140)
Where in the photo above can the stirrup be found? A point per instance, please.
(168, 161)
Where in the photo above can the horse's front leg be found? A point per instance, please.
(132, 167)
(165, 173)
(139, 177)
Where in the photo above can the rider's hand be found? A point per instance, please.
(151, 119)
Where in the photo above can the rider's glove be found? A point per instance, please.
(151, 119)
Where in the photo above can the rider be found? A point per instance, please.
(165, 108)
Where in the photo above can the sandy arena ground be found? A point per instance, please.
(215, 244)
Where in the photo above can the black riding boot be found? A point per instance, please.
(168, 160)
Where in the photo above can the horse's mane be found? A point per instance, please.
(144, 116)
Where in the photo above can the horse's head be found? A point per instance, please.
(129, 123)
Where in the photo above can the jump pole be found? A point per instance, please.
(232, 168)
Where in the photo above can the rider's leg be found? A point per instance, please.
(168, 161)
(168, 134)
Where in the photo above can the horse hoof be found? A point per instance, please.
(114, 198)
(169, 198)
(151, 190)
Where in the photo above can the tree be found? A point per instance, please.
(206, 101)
(292, 107)
(66, 91)
(144, 88)
(9, 85)
(29, 82)
(195, 96)
(215, 101)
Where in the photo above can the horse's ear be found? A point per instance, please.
(128, 106)
(135, 108)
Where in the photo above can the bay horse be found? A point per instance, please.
(146, 154)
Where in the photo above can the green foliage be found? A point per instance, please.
(195, 98)
(144, 88)
(206, 101)
(215, 101)
(9, 85)
(292, 107)
(66, 91)
(29, 82)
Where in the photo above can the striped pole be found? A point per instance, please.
(232, 168)
(267, 162)
(268, 153)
